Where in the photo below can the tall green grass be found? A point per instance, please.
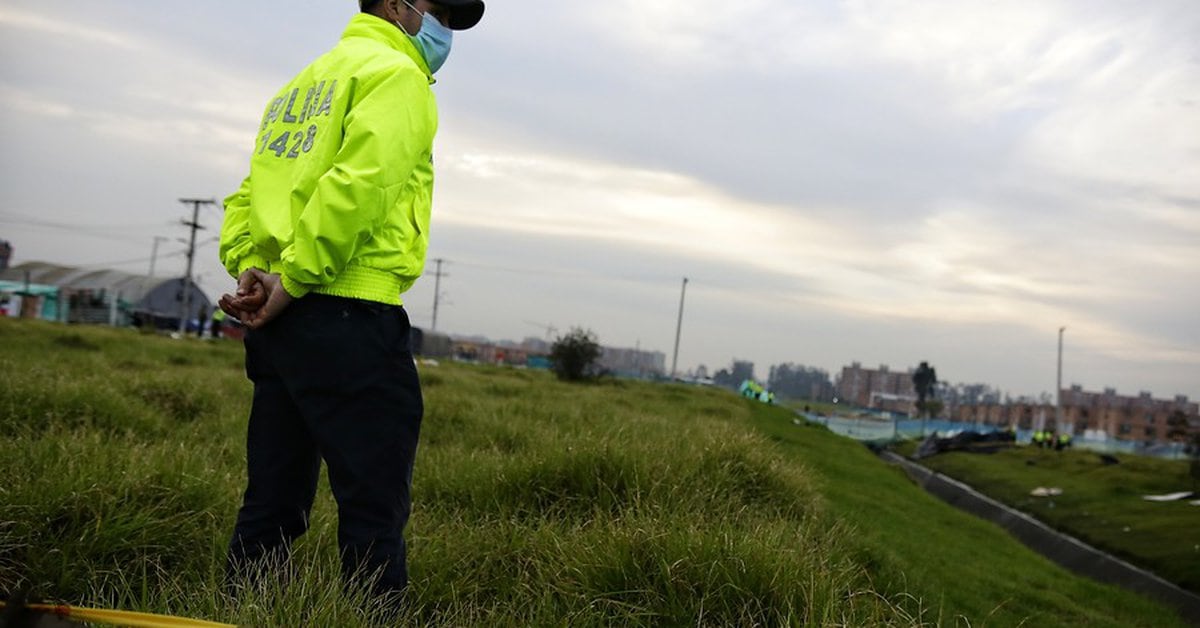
(535, 503)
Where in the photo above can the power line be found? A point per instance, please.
(576, 274)
(18, 218)
(95, 231)
(138, 260)
(521, 270)
(142, 260)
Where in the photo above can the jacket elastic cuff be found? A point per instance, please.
(293, 288)
(253, 261)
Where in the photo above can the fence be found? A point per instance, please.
(885, 430)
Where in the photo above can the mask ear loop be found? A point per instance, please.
(400, 24)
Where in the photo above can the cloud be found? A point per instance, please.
(64, 30)
(28, 103)
(859, 179)
(963, 264)
(564, 196)
(1114, 91)
(127, 91)
(1177, 214)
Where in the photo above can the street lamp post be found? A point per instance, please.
(1058, 409)
(678, 328)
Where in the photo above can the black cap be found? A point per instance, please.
(463, 13)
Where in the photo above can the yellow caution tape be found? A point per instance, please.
(123, 618)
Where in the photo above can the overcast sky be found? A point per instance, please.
(882, 181)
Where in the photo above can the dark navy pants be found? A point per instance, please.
(334, 379)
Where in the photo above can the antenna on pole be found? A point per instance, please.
(154, 253)
(153, 258)
(186, 301)
(678, 328)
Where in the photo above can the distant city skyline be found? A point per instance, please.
(1045, 396)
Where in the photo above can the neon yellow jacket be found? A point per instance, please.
(341, 178)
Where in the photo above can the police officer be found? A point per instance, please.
(326, 232)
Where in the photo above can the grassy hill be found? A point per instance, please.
(536, 503)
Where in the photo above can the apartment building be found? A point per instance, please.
(1023, 415)
(633, 362)
(880, 388)
(1140, 418)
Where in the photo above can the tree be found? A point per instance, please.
(574, 355)
(740, 371)
(924, 380)
(1177, 427)
(1194, 452)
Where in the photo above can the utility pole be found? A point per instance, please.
(191, 254)
(1058, 410)
(437, 290)
(678, 328)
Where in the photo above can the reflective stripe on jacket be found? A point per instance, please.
(341, 178)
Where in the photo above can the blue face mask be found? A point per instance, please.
(433, 40)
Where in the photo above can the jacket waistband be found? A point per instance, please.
(360, 282)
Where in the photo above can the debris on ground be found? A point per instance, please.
(969, 441)
(1043, 491)
(1169, 497)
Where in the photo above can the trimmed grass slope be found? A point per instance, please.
(536, 503)
(1101, 504)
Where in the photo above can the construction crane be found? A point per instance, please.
(550, 329)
